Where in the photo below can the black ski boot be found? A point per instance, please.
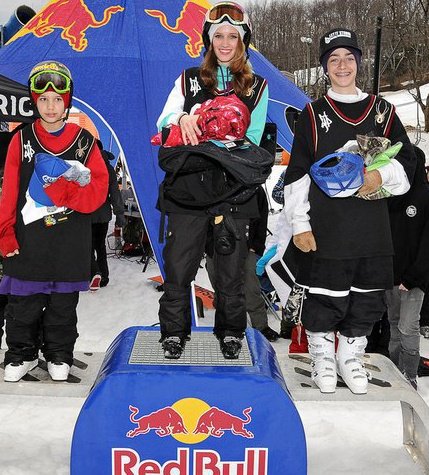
(270, 334)
(230, 347)
(286, 327)
(173, 347)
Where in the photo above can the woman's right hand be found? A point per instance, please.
(13, 253)
(189, 128)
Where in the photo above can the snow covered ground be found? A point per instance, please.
(353, 438)
(411, 116)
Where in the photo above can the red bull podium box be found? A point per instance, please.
(198, 415)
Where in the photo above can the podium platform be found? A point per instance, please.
(386, 384)
(193, 416)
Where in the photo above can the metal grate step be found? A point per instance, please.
(202, 350)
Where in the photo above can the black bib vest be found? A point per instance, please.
(363, 225)
(62, 251)
(196, 93)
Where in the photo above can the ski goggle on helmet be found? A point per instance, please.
(50, 74)
(230, 12)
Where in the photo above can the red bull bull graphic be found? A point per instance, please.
(189, 23)
(216, 421)
(165, 421)
(73, 17)
(192, 419)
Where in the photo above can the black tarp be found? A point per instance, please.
(15, 104)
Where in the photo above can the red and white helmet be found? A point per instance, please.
(230, 12)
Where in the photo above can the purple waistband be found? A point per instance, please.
(13, 286)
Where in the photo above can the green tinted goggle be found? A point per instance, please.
(59, 82)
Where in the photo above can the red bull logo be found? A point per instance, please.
(189, 23)
(191, 421)
(73, 17)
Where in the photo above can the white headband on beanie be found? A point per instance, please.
(216, 26)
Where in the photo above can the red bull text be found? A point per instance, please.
(205, 462)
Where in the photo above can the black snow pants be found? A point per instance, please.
(184, 249)
(41, 321)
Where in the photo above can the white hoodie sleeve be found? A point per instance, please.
(173, 108)
(297, 205)
(394, 179)
(293, 218)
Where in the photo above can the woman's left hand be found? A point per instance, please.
(189, 128)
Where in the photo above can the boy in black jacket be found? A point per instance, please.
(100, 225)
(409, 221)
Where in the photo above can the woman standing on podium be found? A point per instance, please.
(224, 71)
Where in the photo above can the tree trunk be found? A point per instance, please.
(426, 114)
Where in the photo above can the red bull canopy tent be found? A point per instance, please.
(124, 56)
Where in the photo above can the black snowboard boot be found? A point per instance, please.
(173, 347)
(230, 347)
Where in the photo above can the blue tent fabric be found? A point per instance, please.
(125, 56)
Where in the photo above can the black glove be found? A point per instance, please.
(120, 221)
(224, 240)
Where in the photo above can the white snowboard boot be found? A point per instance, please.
(13, 372)
(58, 371)
(321, 346)
(350, 365)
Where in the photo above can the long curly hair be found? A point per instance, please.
(239, 67)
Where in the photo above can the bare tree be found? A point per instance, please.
(279, 24)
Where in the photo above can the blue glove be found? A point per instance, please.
(262, 262)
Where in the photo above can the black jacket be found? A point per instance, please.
(409, 221)
(258, 226)
(114, 198)
(199, 182)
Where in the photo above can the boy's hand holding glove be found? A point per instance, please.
(372, 188)
(263, 261)
(48, 169)
(371, 184)
(77, 173)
